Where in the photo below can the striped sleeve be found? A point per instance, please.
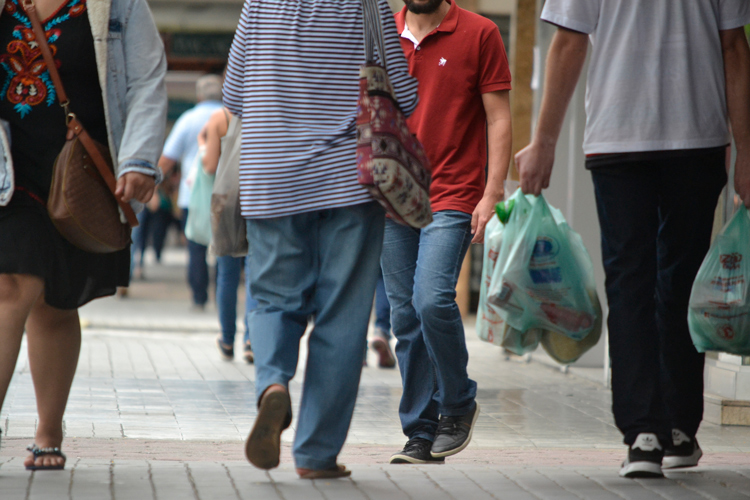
(293, 77)
(233, 81)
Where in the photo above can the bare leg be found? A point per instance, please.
(18, 293)
(54, 338)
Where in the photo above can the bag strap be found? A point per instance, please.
(373, 32)
(72, 122)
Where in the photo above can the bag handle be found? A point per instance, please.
(72, 122)
(373, 32)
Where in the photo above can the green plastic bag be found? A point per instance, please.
(541, 280)
(718, 311)
(491, 325)
(198, 224)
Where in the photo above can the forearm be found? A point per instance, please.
(737, 75)
(565, 60)
(499, 137)
(213, 151)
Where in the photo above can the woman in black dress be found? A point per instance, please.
(112, 65)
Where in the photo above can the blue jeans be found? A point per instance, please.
(421, 269)
(139, 237)
(656, 218)
(382, 308)
(228, 271)
(324, 265)
(197, 267)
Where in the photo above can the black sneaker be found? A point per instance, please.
(644, 457)
(454, 433)
(416, 451)
(226, 350)
(684, 451)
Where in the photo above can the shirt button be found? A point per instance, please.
(419, 48)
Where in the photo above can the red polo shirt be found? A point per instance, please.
(455, 64)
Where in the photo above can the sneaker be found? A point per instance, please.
(454, 433)
(644, 457)
(684, 452)
(226, 350)
(416, 451)
(247, 353)
(380, 344)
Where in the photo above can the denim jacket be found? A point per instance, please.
(131, 64)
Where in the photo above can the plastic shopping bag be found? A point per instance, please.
(491, 327)
(228, 225)
(198, 224)
(718, 311)
(538, 281)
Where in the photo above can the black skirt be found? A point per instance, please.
(30, 244)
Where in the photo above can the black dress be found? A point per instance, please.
(29, 243)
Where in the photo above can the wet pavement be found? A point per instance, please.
(155, 413)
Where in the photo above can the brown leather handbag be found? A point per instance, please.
(82, 203)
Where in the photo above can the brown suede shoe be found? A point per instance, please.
(263, 445)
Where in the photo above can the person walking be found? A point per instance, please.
(182, 147)
(314, 233)
(663, 80)
(464, 81)
(116, 89)
(228, 268)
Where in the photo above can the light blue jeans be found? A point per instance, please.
(321, 265)
(228, 271)
(421, 268)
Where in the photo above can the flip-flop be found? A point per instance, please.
(40, 452)
(338, 471)
(263, 446)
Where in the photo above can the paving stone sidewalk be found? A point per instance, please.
(156, 414)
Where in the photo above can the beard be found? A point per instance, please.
(423, 7)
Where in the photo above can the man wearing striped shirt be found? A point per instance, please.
(314, 233)
(463, 112)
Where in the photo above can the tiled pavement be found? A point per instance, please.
(157, 414)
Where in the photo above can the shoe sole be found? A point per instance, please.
(641, 470)
(680, 462)
(263, 446)
(380, 347)
(406, 459)
(448, 453)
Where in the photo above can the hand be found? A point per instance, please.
(742, 177)
(135, 185)
(484, 211)
(534, 165)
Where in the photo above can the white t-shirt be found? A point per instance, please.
(656, 77)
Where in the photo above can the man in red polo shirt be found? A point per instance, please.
(463, 120)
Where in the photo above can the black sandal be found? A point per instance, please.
(40, 452)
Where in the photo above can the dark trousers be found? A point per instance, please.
(656, 217)
(197, 267)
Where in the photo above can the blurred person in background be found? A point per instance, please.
(314, 233)
(228, 268)
(664, 80)
(182, 147)
(44, 279)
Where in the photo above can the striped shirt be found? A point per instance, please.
(293, 77)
